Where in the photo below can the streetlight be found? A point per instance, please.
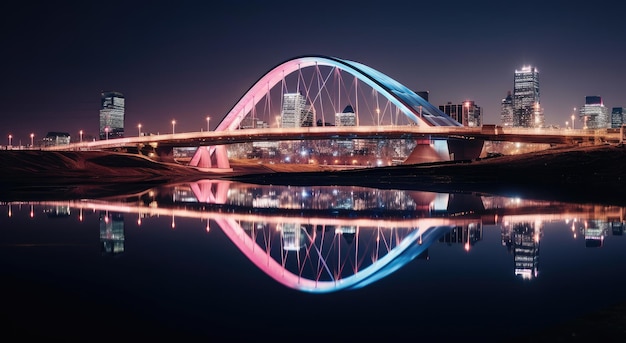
(10, 139)
(32, 140)
(208, 120)
(139, 129)
(106, 132)
(573, 117)
(173, 125)
(566, 123)
(80, 133)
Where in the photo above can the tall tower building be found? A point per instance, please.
(593, 114)
(111, 115)
(473, 113)
(506, 110)
(527, 110)
(295, 111)
(617, 117)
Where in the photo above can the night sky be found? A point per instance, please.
(188, 60)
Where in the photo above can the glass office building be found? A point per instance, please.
(526, 104)
(111, 115)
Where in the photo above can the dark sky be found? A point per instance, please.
(186, 60)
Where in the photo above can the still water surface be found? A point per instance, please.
(217, 259)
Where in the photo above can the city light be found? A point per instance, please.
(32, 140)
(106, 132)
(10, 139)
(80, 133)
(139, 130)
(173, 126)
(208, 121)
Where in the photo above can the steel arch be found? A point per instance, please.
(413, 106)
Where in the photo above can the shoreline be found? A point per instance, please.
(580, 174)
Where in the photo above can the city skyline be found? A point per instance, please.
(187, 61)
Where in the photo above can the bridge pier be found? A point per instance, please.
(441, 150)
(465, 149)
(210, 157)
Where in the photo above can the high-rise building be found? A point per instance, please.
(467, 113)
(594, 115)
(346, 118)
(506, 111)
(296, 112)
(617, 117)
(527, 111)
(111, 115)
(474, 114)
(453, 110)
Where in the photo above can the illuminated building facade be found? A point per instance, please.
(346, 118)
(111, 115)
(56, 138)
(295, 111)
(526, 249)
(467, 113)
(111, 233)
(506, 111)
(594, 115)
(527, 111)
(617, 117)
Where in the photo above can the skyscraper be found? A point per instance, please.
(593, 114)
(527, 110)
(111, 115)
(506, 111)
(295, 111)
(617, 117)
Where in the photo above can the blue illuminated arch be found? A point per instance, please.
(412, 105)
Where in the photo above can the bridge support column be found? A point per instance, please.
(428, 150)
(465, 149)
(210, 157)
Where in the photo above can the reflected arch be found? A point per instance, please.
(406, 251)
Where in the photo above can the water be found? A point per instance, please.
(225, 260)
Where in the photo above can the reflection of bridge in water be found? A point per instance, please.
(311, 92)
(323, 239)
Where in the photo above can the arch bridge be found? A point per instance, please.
(331, 99)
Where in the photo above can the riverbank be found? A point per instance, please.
(580, 174)
(35, 174)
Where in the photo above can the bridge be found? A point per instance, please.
(297, 100)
